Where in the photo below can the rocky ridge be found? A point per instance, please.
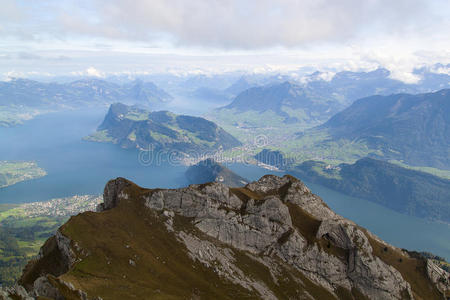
(272, 239)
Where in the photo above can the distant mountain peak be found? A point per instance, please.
(133, 127)
(209, 170)
(412, 128)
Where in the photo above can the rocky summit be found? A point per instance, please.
(272, 239)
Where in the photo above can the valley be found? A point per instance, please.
(76, 164)
(25, 227)
(368, 127)
(197, 150)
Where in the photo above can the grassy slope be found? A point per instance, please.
(25, 228)
(433, 171)
(163, 269)
(413, 269)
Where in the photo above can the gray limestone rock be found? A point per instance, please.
(259, 220)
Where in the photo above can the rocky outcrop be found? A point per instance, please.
(274, 224)
(258, 225)
(438, 276)
(111, 193)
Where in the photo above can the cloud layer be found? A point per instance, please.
(237, 24)
(252, 23)
(73, 35)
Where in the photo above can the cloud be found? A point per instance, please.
(252, 23)
(10, 11)
(440, 69)
(28, 56)
(5, 56)
(218, 35)
(89, 72)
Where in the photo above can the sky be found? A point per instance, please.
(100, 38)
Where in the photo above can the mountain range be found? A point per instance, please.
(133, 127)
(289, 100)
(314, 98)
(412, 128)
(90, 92)
(272, 239)
(220, 95)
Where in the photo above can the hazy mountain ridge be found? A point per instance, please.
(315, 98)
(274, 158)
(132, 127)
(209, 170)
(349, 86)
(281, 99)
(411, 128)
(403, 190)
(269, 240)
(80, 92)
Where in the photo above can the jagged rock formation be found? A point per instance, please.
(272, 239)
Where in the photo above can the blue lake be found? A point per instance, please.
(75, 166)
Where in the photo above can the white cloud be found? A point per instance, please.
(90, 72)
(223, 35)
(10, 11)
(440, 69)
(229, 24)
(251, 24)
(9, 75)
